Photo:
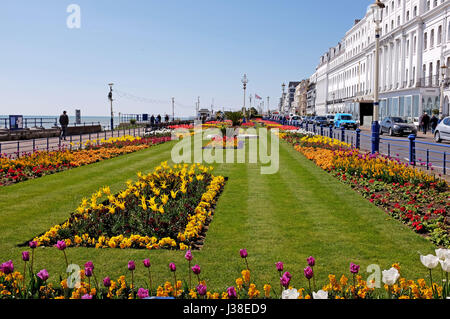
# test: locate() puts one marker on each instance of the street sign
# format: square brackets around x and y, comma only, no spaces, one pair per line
[15,122]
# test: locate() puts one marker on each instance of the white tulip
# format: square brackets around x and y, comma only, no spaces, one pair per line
[290,294]
[445,264]
[390,276]
[429,261]
[443,253]
[321,294]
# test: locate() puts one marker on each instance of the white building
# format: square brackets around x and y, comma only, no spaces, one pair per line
[414,44]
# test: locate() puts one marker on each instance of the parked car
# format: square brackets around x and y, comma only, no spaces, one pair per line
[320,120]
[344,120]
[442,131]
[330,120]
[397,126]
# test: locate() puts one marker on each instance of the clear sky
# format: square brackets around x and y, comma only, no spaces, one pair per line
[157,49]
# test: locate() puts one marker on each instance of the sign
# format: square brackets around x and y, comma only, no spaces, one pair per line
[77,116]
[144,117]
[15,122]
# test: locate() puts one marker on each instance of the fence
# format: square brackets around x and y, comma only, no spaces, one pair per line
[430,156]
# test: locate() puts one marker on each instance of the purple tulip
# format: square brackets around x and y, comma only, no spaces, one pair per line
[231,292]
[172,267]
[7,267]
[279,266]
[43,274]
[131,265]
[61,245]
[354,269]
[243,253]
[88,272]
[188,256]
[86,296]
[311,261]
[285,280]
[32,244]
[25,256]
[147,263]
[89,264]
[142,293]
[107,282]
[201,289]
[196,269]
[309,273]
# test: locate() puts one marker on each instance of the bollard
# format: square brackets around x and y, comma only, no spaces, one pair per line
[412,149]
[314,128]
[321,129]
[343,134]
[375,137]
[358,138]
[331,132]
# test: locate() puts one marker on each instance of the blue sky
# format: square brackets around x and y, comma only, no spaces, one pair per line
[160,48]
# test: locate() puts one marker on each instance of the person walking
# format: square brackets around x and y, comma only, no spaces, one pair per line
[152,120]
[433,123]
[166,118]
[425,123]
[64,122]
[158,119]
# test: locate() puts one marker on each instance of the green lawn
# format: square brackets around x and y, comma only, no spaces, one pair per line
[298,212]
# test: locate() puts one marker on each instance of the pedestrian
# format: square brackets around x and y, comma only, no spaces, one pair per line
[64,122]
[425,122]
[158,119]
[433,123]
[152,120]
[167,118]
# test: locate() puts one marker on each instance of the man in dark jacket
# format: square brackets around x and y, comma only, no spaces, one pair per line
[64,122]
[434,123]
[425,122]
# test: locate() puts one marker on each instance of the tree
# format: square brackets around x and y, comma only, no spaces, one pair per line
[234,117]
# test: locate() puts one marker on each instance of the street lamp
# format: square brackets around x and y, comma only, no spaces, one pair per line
[377,14]
[283,87]
[110,97]
[244,82]
[443,73]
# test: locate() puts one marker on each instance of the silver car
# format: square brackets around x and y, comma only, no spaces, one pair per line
[442,131]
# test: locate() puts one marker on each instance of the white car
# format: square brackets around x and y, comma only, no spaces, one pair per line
[442,131]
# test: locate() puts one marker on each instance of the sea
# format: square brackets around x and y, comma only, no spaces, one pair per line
[49,121]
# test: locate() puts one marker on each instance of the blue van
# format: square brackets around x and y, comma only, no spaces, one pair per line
[345,120]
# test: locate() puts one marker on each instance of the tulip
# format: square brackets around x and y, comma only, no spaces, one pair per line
[131,265]
[308,271]
[290,294]
[86,296]
[443,253]
[390,276]
[243,253]
[88,272]
[7,267]
[25,256]
[321,294]
[445,264]
[188,256]
[61,245]
[89,264]
[196,270]
[32,244]
[43,274]
[354,269]
[231,291]
[279,266]
[201,290]
[311,261]
[146,263]
[429,261]
[107,282]
[173,269]
[142,293]
[285,280]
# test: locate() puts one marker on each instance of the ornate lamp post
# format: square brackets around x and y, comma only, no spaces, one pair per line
[283,96]
[443,74]
[377,19]
[245,82]
[110,97]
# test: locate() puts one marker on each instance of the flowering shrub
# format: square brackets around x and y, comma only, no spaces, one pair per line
[167,208]
[40,163]
[13,284]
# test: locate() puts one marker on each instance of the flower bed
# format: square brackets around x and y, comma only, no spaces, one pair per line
[13,284]
[225,142]
[41,163]
[407,193]
[167,208]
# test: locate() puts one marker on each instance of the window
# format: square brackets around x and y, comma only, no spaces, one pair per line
[425,41]
[432,39]
[439,35]
[415,11]
[407,15]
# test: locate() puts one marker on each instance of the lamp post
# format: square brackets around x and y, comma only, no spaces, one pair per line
[443,73]
[245,82]
[110,97]
[283,87]
[377,18]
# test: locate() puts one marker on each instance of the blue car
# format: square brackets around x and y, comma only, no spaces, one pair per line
[345,120]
